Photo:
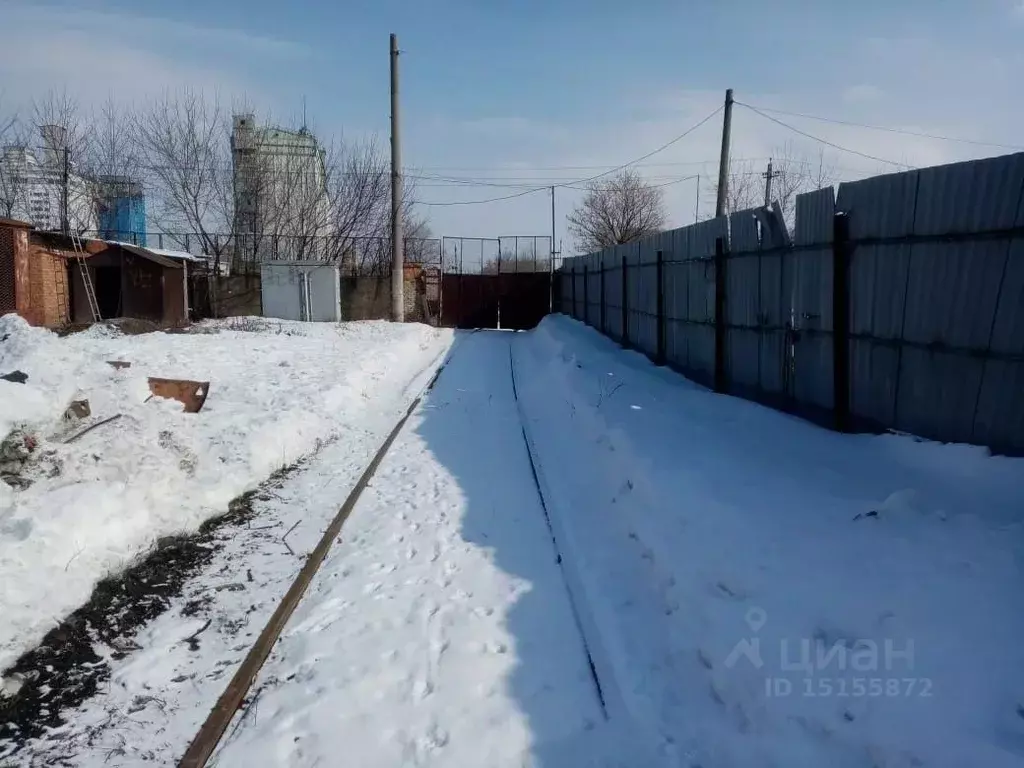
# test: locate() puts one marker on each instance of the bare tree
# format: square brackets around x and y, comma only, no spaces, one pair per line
[112,150]
[60,110]
[184,150]
[620,210]
[795,174]
[14,172]
[7,123]
[112,161]
[522,257]
[745,190]
[792,175]
[421,246]
[276,192]
[62,159]
[305,201]
[822,172]
[360,194]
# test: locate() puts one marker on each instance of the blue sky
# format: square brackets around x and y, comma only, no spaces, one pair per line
[510,92]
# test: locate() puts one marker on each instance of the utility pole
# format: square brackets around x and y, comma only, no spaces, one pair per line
[696,202]
[723,163]
[768,176]
[551,256]
[65,213]
[552,226]
[397,256]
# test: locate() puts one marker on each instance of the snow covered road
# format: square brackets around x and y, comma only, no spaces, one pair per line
[439,631]
[727,586]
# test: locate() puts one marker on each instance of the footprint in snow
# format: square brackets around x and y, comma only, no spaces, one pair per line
[422,688]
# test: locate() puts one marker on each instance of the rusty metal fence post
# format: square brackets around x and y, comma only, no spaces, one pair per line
[721,385]
[841,322]
[572,287]
[604,328]
[660,319]
[625,303]
[586,296]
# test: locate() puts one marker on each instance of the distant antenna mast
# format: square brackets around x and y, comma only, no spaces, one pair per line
[303,113]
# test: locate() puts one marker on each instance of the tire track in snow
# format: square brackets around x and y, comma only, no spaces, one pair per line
[598,690]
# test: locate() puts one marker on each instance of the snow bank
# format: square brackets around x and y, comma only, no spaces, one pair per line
[275,391]
[772,593]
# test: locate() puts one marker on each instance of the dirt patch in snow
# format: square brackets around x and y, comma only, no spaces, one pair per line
[126,326]
[64,669]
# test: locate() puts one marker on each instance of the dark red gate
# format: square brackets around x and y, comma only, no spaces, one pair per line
[497,282]
[516,301]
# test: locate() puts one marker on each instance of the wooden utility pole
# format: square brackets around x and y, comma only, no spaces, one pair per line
[397,255]
[551,256]
[723,163]
[768,176]
[552,224]
[696,201]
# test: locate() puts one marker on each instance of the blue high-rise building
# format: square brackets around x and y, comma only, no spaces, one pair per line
[122,210]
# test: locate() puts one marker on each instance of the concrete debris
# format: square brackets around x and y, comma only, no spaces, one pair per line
[79,409]
[17,447]
[15,451]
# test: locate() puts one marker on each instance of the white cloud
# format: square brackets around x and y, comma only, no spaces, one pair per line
[861,93]
[94,54]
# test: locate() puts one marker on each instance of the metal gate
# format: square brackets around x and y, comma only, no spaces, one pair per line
[500,282]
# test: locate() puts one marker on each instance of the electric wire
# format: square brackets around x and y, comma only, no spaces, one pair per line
[887,129]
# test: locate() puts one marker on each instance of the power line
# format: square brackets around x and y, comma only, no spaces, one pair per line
[490,200]
[469,182]
[649,186]
[887,129]
[525,181]
[548,187]
[560,167]
[825,141]
[663,147]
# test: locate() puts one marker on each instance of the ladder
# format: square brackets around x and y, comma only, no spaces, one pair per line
[90,291]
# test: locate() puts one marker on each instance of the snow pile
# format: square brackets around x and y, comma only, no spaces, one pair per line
[771,593]
[276,390]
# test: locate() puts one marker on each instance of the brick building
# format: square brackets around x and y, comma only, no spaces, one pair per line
[41,280]
[34,277]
